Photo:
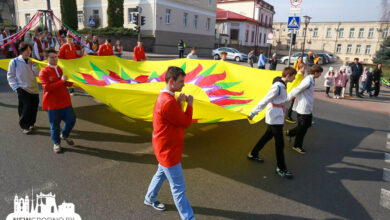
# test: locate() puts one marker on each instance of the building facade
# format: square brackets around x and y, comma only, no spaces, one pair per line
[244,23]
[166,20]
[346,40]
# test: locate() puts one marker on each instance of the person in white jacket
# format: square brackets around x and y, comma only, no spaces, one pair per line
[21,77]
[329,81]
[274,118]
[303,106]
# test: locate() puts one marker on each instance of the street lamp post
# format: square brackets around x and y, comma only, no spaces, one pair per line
[307,21]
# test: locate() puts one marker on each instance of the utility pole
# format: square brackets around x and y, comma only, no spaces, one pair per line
[307,21]
[50,17]
[139,9]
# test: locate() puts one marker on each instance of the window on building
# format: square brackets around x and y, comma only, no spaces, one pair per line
[371,33]
[261,18]
[303,32]
[264,38]
[385,32]
[338,48]
[253,37]
[80,16]
[185,19]
[351,32]
[315,32]
[208,24]
[368,50]
[266,20]
[349,48]
[196,21]
[358,48]
[95,13]
[328,32]
[341,32]
[260,38]
[361,32]
[246,35]
[28,17]
[210,1]
[297,32]
[168,16]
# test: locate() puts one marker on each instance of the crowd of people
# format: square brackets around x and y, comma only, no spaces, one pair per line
[369,78]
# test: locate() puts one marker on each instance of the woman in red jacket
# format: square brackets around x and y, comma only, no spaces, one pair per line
[56,100]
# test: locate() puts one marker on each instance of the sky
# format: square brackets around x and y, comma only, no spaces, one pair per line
[332,10]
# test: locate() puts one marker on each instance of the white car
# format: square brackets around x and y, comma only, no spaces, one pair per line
[294,57]
[232,54]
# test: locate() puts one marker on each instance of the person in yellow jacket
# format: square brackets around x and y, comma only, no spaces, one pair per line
[296,63]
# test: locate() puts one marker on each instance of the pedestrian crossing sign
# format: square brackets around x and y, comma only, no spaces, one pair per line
[293,22]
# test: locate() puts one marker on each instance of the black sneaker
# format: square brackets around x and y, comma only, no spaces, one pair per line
[156,205]
[257,159]
[299,150]
[290,120]
[284,173]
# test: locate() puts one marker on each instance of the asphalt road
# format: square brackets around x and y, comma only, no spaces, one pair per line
[107,173]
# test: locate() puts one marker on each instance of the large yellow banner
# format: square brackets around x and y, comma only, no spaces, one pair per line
[222,91]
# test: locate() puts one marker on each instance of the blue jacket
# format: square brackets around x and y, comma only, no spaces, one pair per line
[262,60]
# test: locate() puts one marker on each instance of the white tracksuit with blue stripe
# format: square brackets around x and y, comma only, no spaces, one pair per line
[277,95]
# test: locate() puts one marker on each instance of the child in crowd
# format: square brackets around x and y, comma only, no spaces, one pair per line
[329,80]
[340,80]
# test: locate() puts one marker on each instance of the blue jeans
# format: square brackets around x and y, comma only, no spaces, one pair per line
[55,118]
[363,86]
[178,188]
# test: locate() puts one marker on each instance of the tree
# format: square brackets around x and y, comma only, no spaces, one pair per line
[115,13]
[383,54]
[69,13]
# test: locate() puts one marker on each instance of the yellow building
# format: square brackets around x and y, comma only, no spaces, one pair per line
[346,40]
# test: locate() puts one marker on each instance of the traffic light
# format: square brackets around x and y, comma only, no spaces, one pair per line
[294,37]
[138,29]
[142,20]
[135,19]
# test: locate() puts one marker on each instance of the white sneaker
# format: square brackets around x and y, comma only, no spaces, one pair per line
[27,131]
[57,148]
[68,140]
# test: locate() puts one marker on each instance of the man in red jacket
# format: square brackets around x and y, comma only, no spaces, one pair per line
[106,49]
[68,50]
[169,123]
[56,100]
[139,52]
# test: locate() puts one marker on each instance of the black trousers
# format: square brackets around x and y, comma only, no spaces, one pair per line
[354,84]
[299,131]
[327,89]
[275,131]
[289,112]
[27,109]
[181,53]
[377,87]
[338,90]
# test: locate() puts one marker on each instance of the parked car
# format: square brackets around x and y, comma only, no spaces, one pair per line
[232,54]
[294,57]
[324,58]
[332,57]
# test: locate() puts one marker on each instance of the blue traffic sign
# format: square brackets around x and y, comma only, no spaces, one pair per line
[91,21]
[293,22]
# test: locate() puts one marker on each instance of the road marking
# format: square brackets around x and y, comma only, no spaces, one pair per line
[387,157]
[385,198]
[50,185]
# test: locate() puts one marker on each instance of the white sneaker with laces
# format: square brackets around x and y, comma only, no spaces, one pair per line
[57,148]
